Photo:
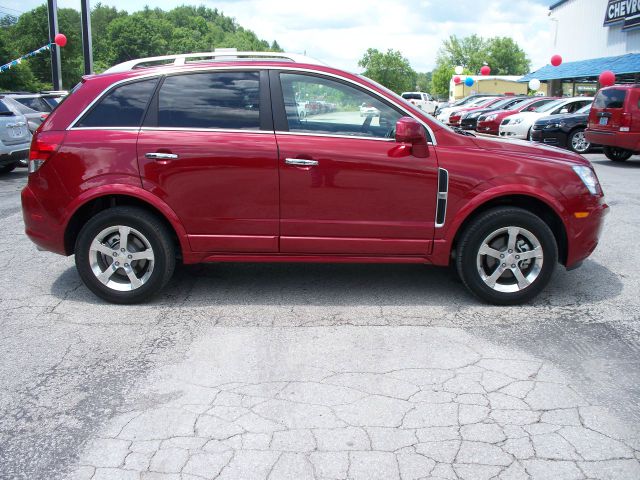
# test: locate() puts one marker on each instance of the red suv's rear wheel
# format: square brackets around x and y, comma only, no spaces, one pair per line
[124,255]
[506,255]
[617,154]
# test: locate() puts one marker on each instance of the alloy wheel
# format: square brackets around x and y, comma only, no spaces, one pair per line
[510,259]
[121,258]
[579,142]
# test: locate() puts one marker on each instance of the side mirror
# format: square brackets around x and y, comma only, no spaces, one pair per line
[409,130]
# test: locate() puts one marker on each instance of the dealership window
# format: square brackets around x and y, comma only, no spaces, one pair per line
[228,100]
[320,105]
[122,107]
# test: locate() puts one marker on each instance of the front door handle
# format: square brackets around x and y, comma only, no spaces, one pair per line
[301,162]
[161,156]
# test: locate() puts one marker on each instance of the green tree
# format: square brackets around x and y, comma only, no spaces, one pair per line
[506,58]
[390,69]
[423,81]
[502,54]
[441,79]
[116,37]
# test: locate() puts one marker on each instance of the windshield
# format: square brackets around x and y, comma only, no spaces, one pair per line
[550,106]
[411,96]
[504,102]
[18,106]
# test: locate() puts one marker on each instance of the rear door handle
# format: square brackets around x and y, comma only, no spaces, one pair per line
[161,156]
[301,162]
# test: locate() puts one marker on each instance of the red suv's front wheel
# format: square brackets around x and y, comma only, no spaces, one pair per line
[507,255]
[124,254]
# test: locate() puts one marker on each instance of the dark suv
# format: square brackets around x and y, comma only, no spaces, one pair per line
[614,121]
[212,161]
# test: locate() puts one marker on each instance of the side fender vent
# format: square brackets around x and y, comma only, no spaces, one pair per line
[443,191]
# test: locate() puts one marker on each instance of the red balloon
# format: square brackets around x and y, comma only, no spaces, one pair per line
[456,79]
[607,78]
[556,60]
[485,70]
[60,39]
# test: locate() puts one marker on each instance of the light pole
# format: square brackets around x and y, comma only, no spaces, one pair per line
[87,50]
[56,70]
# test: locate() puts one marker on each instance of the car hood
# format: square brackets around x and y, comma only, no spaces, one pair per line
[565,116]
[535,151]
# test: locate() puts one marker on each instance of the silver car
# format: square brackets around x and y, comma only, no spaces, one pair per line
[14,138]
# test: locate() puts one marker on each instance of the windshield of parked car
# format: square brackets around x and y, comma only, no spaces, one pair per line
[550,106]
[503,103]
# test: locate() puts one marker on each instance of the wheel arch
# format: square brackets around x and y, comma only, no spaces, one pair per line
[530,203]
[99,201]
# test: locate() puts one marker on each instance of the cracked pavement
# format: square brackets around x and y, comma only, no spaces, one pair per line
[322,371]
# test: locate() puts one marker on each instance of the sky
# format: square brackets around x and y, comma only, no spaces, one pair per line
[338,32]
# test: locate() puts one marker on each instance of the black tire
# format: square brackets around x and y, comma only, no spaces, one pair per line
[529,135]
[570,142]
[480,228]
[8,168]
[156,234]
[617,154]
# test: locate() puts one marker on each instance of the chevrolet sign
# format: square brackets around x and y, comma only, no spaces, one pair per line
[626,12]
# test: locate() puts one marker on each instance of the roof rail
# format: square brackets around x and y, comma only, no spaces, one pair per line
[217,55]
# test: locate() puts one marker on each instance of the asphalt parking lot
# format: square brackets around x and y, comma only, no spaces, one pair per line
[322,371]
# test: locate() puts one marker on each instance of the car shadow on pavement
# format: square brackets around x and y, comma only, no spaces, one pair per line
[631,163]
[296,284]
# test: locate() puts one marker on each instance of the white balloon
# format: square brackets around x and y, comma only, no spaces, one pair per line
[534,84]
[459,70]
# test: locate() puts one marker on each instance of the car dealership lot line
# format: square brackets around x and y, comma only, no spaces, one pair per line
[322,370]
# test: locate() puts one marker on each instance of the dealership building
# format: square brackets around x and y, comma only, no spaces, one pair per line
[591,36]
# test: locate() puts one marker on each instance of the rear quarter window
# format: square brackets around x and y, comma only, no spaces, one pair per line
[613,98]
[4,110]
[123,106]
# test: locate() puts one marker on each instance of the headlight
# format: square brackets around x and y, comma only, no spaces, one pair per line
[554,125]
[491,118]
[588,177]
[517,120]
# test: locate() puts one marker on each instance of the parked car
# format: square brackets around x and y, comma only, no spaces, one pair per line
[566,131]
[614,121]
[443,114]
[368,110]
[469,120]
[34,118]
[462,101]
[422,100]
[456,115]
[130,178]
[490,122]
[14,137]
[446,113]
[53,97]
[520,124]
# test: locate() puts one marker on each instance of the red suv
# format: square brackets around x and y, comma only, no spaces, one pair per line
[614,121]
[211,161]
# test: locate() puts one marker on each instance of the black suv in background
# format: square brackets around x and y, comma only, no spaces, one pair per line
[566,131]
[469,120]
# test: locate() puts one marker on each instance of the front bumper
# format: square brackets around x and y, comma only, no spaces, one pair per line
[492,128]
[555,137]
[516,130]
[583,234]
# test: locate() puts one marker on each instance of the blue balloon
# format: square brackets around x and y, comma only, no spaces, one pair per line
[468,81]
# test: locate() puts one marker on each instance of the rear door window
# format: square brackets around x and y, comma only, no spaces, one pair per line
[612,98]
[218,100]
[122,107]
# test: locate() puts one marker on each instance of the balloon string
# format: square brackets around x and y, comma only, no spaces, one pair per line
[13,63]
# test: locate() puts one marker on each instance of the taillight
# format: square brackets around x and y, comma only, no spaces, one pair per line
[43,146]
[625,122]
